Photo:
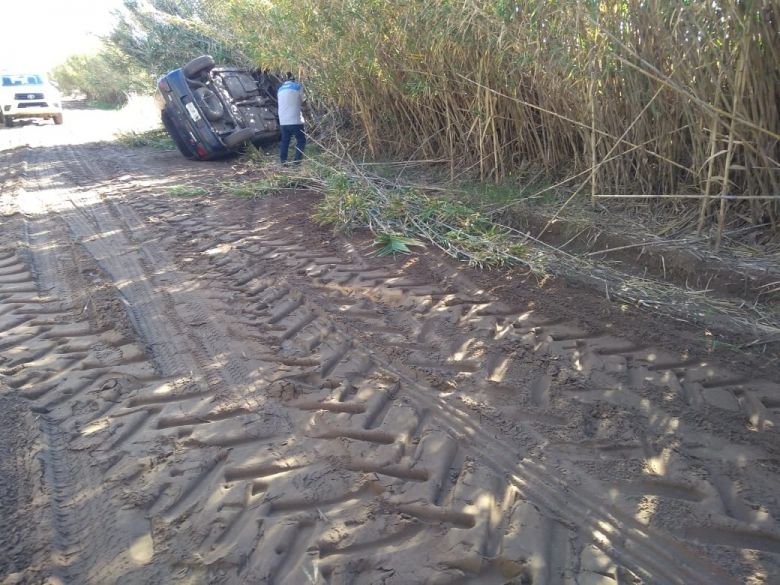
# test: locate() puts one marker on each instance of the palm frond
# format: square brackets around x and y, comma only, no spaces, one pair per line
[395,244]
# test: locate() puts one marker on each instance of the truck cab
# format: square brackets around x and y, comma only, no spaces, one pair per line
[28,95]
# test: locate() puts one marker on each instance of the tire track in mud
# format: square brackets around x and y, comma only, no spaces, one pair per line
[206,475]
[598,358]
[299,304]
[594,345]
[65,382]
[26,532]
[317,431]
[60,356]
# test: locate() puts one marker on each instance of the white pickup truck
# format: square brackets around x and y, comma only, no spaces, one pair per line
[28,95]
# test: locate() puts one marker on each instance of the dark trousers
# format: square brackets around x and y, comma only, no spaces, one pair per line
[300,141]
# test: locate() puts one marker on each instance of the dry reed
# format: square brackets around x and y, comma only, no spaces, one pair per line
[636,96]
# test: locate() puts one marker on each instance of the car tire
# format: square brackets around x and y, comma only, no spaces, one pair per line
[58,119]
[238,138]
[9,122]
[209,103]
[198,65]
[181,145]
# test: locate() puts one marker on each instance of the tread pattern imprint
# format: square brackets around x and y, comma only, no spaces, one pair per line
[222,403]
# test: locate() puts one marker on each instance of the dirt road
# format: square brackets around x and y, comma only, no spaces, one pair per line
[215,390]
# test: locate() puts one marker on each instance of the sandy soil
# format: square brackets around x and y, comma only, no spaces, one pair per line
[216,390]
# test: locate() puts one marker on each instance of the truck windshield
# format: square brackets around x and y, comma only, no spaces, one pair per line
[10,80]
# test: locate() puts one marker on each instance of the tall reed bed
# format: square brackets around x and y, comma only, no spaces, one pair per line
[631,97]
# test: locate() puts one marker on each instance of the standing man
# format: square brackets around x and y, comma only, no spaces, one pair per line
[290,100]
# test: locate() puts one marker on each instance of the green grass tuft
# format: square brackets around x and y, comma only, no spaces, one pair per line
[157,138]
[187,191]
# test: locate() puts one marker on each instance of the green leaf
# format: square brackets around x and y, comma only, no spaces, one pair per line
[395,244]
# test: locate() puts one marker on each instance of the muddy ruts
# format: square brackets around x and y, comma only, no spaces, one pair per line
[605,362]
[224,403]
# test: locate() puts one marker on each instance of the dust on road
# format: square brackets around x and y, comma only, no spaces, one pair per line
[212,390]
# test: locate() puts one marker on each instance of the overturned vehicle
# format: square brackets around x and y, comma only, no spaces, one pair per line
[211,111]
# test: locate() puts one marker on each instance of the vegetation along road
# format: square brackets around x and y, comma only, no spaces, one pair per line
[214,389]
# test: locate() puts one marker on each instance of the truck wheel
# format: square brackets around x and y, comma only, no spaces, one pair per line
[58,119]
[198,66]
[181,145]
[210,104]
[239,137]
[9,122]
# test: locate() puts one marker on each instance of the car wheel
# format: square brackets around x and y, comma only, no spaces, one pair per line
[9,122]
[198,66]
[181,145]
[210,104]
[58,119]
[239,137]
